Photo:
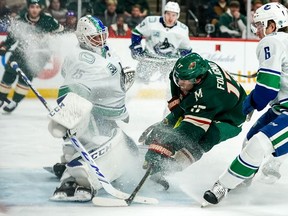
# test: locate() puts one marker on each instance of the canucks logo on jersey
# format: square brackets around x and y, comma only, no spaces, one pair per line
[165,49]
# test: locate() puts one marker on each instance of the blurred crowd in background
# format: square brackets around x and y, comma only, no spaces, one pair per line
[214,18]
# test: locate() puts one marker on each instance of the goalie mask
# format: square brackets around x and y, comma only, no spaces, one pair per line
[92,34]
[271,11]
[190,67]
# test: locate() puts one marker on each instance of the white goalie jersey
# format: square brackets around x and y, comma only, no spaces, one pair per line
[97,79]
[163,41]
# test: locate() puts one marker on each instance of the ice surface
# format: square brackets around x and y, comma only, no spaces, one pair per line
[26,146]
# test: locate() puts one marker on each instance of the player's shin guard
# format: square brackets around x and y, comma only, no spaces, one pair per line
[248,162]
[242,168]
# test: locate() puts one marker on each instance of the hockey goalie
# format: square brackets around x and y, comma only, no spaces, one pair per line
[91,101]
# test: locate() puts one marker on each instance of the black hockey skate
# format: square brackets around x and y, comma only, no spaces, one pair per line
[72,192]
[10,107]
[216,194]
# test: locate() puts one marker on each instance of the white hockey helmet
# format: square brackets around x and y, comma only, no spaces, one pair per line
[272,11]
[173,7]
[91,33]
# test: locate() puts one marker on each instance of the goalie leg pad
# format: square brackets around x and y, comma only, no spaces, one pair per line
[68,153]
[80,172]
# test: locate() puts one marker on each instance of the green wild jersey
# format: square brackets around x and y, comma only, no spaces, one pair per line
[218,98]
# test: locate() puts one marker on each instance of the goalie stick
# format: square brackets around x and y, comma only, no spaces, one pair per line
[85,155]
[107,202]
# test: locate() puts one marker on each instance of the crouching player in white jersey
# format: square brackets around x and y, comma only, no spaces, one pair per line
[269,135]
[166,39]
[93,73]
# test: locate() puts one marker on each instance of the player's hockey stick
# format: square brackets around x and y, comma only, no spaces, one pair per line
[108,202]
[85,155]
[245,76]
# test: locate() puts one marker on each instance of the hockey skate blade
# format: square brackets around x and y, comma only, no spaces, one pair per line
[204,204]
[49,169]
[109,202]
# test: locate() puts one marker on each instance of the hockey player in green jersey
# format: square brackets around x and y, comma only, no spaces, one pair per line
[206,109]
[30,31]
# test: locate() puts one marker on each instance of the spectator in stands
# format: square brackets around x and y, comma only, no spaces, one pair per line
[71,21]
[110,14]
[4,16]
[99,6]
[72,5]
[218,8]
[128,4]
[135,17]
[57,11]
[232,24]
[120,28]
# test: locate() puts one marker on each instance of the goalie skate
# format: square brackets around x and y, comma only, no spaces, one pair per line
[72,192]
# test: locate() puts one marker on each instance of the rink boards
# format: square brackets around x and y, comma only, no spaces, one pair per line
[236,56]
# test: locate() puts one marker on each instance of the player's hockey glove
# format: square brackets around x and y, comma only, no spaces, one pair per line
[248,104]
[159,156]
[173,103]
[137,51]
[3,49]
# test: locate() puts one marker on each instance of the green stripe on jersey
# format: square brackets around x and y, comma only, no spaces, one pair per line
[136,32]
[269,80]
[279,139]
[280,107]
[63,90]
